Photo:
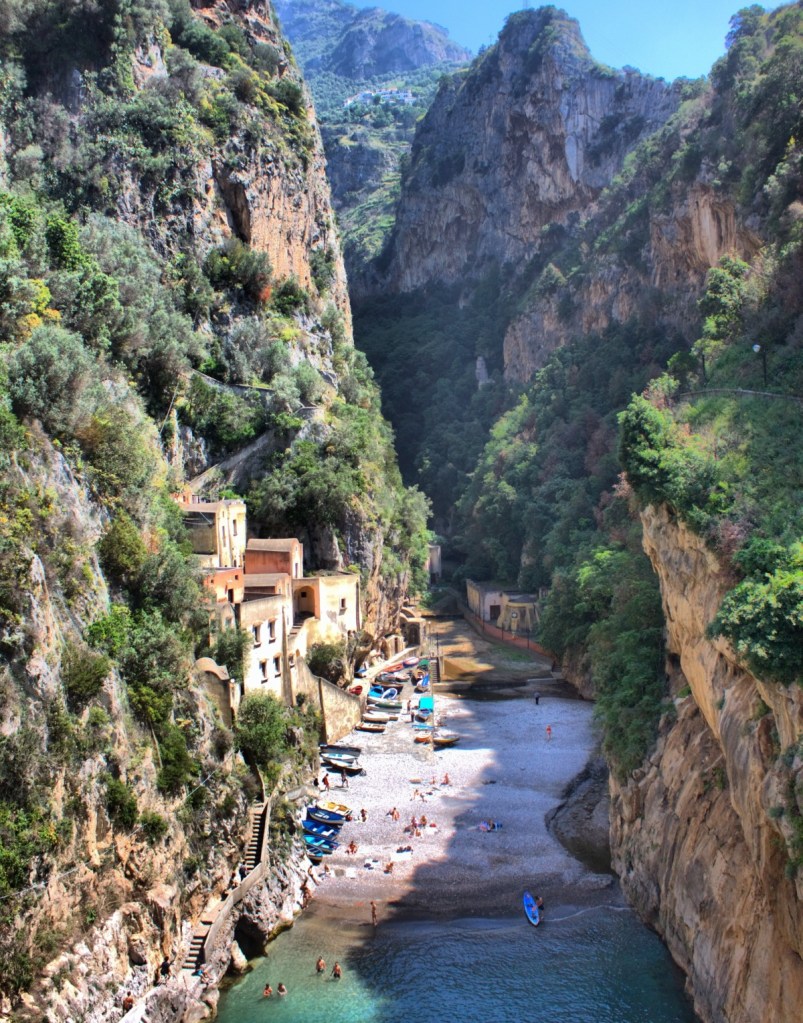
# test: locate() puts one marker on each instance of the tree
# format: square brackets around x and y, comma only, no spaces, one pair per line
[260,728]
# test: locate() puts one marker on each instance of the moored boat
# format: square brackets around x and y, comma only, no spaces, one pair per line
[410,662]
[376,715]
[335,820]
[333,807]
[319,828]
[385,704]
[440,740]
[320,844]
[333,747]
[339,764]
[370,726]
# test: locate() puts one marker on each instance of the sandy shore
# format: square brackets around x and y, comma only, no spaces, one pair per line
[504,768]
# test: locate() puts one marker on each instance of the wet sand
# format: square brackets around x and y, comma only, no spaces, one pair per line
[504,768]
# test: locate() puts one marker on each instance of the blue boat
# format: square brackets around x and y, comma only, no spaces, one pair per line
[326,816]
[383,692]
[320,845]
[327,831]
[531,909]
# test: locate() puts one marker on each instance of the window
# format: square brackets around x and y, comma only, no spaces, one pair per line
[257,631]
[272,630]
[234,527]
[277,666]
[263,668]
[342,605]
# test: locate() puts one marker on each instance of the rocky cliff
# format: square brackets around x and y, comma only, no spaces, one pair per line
[702,835]
[530,134]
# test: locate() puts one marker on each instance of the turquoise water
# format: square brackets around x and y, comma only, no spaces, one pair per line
[599,966]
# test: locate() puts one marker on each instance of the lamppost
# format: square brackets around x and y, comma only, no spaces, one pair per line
[762,351]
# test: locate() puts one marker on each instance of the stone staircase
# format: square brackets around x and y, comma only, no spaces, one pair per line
[196,955]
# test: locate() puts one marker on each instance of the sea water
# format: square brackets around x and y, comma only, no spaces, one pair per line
[598,965]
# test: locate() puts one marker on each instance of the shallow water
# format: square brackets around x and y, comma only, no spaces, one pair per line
[596,965]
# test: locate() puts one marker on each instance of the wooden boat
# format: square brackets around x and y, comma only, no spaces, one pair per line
[385,704]
[370,726]
[410,662]
[331,747]
[332,755]
[338,808]
[355,690]
[531,910]
[375,715]
[377,693]
[328,831]
[335,820]
[440,740]
[320,844]
[338,765]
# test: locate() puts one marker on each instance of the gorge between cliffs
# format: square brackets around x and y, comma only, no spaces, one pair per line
[532,358]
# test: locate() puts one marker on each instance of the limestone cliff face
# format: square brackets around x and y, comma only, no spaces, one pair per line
[253,187]
[700,835]
[531,133]
[660,287]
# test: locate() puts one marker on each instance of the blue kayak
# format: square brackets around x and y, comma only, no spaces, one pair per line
[531,910]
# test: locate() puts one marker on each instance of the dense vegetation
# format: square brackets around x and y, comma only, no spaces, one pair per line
[119,328]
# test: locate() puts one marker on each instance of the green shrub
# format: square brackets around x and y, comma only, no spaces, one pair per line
[122,550]
[327,660]
[236,265]
[153,825]
[230,649]
[290,297]
[763,617]
[47,377]
[178,767]
[83,673]
[121,803]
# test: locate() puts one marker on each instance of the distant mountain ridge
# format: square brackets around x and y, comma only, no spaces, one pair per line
[332,36]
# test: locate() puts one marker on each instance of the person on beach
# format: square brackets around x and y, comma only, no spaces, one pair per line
[337,973]
[537,698]
[128,1002]
[267,991]
[373,913]
[389,867]
[281,990]
[549,733]
[344,779]
[394,814]
[413,822]
[423,820]
[351,848]
[320,965]
[363,815]
[326,782]
[446,780]
[415,795]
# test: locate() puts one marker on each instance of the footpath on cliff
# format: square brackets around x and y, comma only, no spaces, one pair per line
[506,768]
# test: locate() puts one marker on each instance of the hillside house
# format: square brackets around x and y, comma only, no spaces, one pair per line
[267,556]
[216,530]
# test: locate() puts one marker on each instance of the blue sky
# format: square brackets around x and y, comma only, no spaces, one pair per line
[670,39]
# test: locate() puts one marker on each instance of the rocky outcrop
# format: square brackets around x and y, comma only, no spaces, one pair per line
[531,133]
[702,835]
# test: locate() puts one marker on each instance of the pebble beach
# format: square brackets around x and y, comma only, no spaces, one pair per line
[504,769]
